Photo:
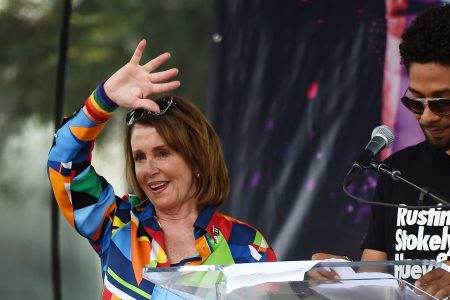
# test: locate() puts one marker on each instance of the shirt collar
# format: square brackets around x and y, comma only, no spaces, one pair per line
[204,217]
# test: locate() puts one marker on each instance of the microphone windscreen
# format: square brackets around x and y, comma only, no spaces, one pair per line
[385,132]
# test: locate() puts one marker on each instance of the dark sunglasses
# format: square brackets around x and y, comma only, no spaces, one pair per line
[135,115]
[439,106]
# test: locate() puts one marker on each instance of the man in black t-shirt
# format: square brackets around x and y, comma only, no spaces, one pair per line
[402,233]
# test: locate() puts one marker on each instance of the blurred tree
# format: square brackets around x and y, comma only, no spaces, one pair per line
[103,35]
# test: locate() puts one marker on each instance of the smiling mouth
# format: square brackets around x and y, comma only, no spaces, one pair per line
[435,131]
[158,186]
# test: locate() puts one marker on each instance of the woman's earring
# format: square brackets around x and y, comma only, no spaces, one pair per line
[197,175]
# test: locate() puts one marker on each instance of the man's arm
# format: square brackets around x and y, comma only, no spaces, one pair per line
[372,255]
[367,255]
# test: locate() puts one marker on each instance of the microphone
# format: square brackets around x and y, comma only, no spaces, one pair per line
[382,137]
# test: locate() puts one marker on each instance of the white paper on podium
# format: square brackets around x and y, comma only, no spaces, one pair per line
[251,274]
[363,285]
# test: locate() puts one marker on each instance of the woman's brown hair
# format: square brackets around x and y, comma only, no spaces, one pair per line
[186,130]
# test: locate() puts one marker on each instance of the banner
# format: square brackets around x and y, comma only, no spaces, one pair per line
[297,88]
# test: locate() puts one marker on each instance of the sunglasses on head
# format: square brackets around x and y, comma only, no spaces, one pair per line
[439,106]
[135,115]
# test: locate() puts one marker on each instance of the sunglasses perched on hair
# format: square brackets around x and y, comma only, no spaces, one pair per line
[439,106]
[135,115]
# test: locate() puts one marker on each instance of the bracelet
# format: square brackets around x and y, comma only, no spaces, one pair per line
[347,258]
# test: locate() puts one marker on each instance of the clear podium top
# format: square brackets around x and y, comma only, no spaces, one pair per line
[291,280]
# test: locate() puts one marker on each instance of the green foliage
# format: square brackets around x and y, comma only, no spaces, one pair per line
[103,35]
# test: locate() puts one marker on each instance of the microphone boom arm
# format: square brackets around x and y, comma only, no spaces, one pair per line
[425,193]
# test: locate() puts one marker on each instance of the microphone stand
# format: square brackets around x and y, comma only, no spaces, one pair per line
[396,175]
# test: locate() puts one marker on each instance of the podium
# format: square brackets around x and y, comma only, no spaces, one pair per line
[290,280]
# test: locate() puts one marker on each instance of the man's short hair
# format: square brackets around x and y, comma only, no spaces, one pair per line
[428,38]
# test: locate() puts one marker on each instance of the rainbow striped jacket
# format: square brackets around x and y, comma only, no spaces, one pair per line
[126,236]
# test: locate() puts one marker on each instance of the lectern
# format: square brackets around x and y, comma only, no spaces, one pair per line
[291,280]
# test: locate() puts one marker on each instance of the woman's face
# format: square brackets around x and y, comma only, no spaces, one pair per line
[163,174]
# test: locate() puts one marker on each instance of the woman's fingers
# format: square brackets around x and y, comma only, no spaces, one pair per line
[137,55]
[163,76]
[156,62]
[165,87]
[146,104]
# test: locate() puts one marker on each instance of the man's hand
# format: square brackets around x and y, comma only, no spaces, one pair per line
[436,282]
[322,274]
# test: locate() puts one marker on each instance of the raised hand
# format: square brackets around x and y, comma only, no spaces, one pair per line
[131,85]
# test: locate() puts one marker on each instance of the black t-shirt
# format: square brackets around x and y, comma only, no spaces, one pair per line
[412,234]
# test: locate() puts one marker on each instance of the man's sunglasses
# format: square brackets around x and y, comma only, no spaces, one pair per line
[439,106]
[135,115]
